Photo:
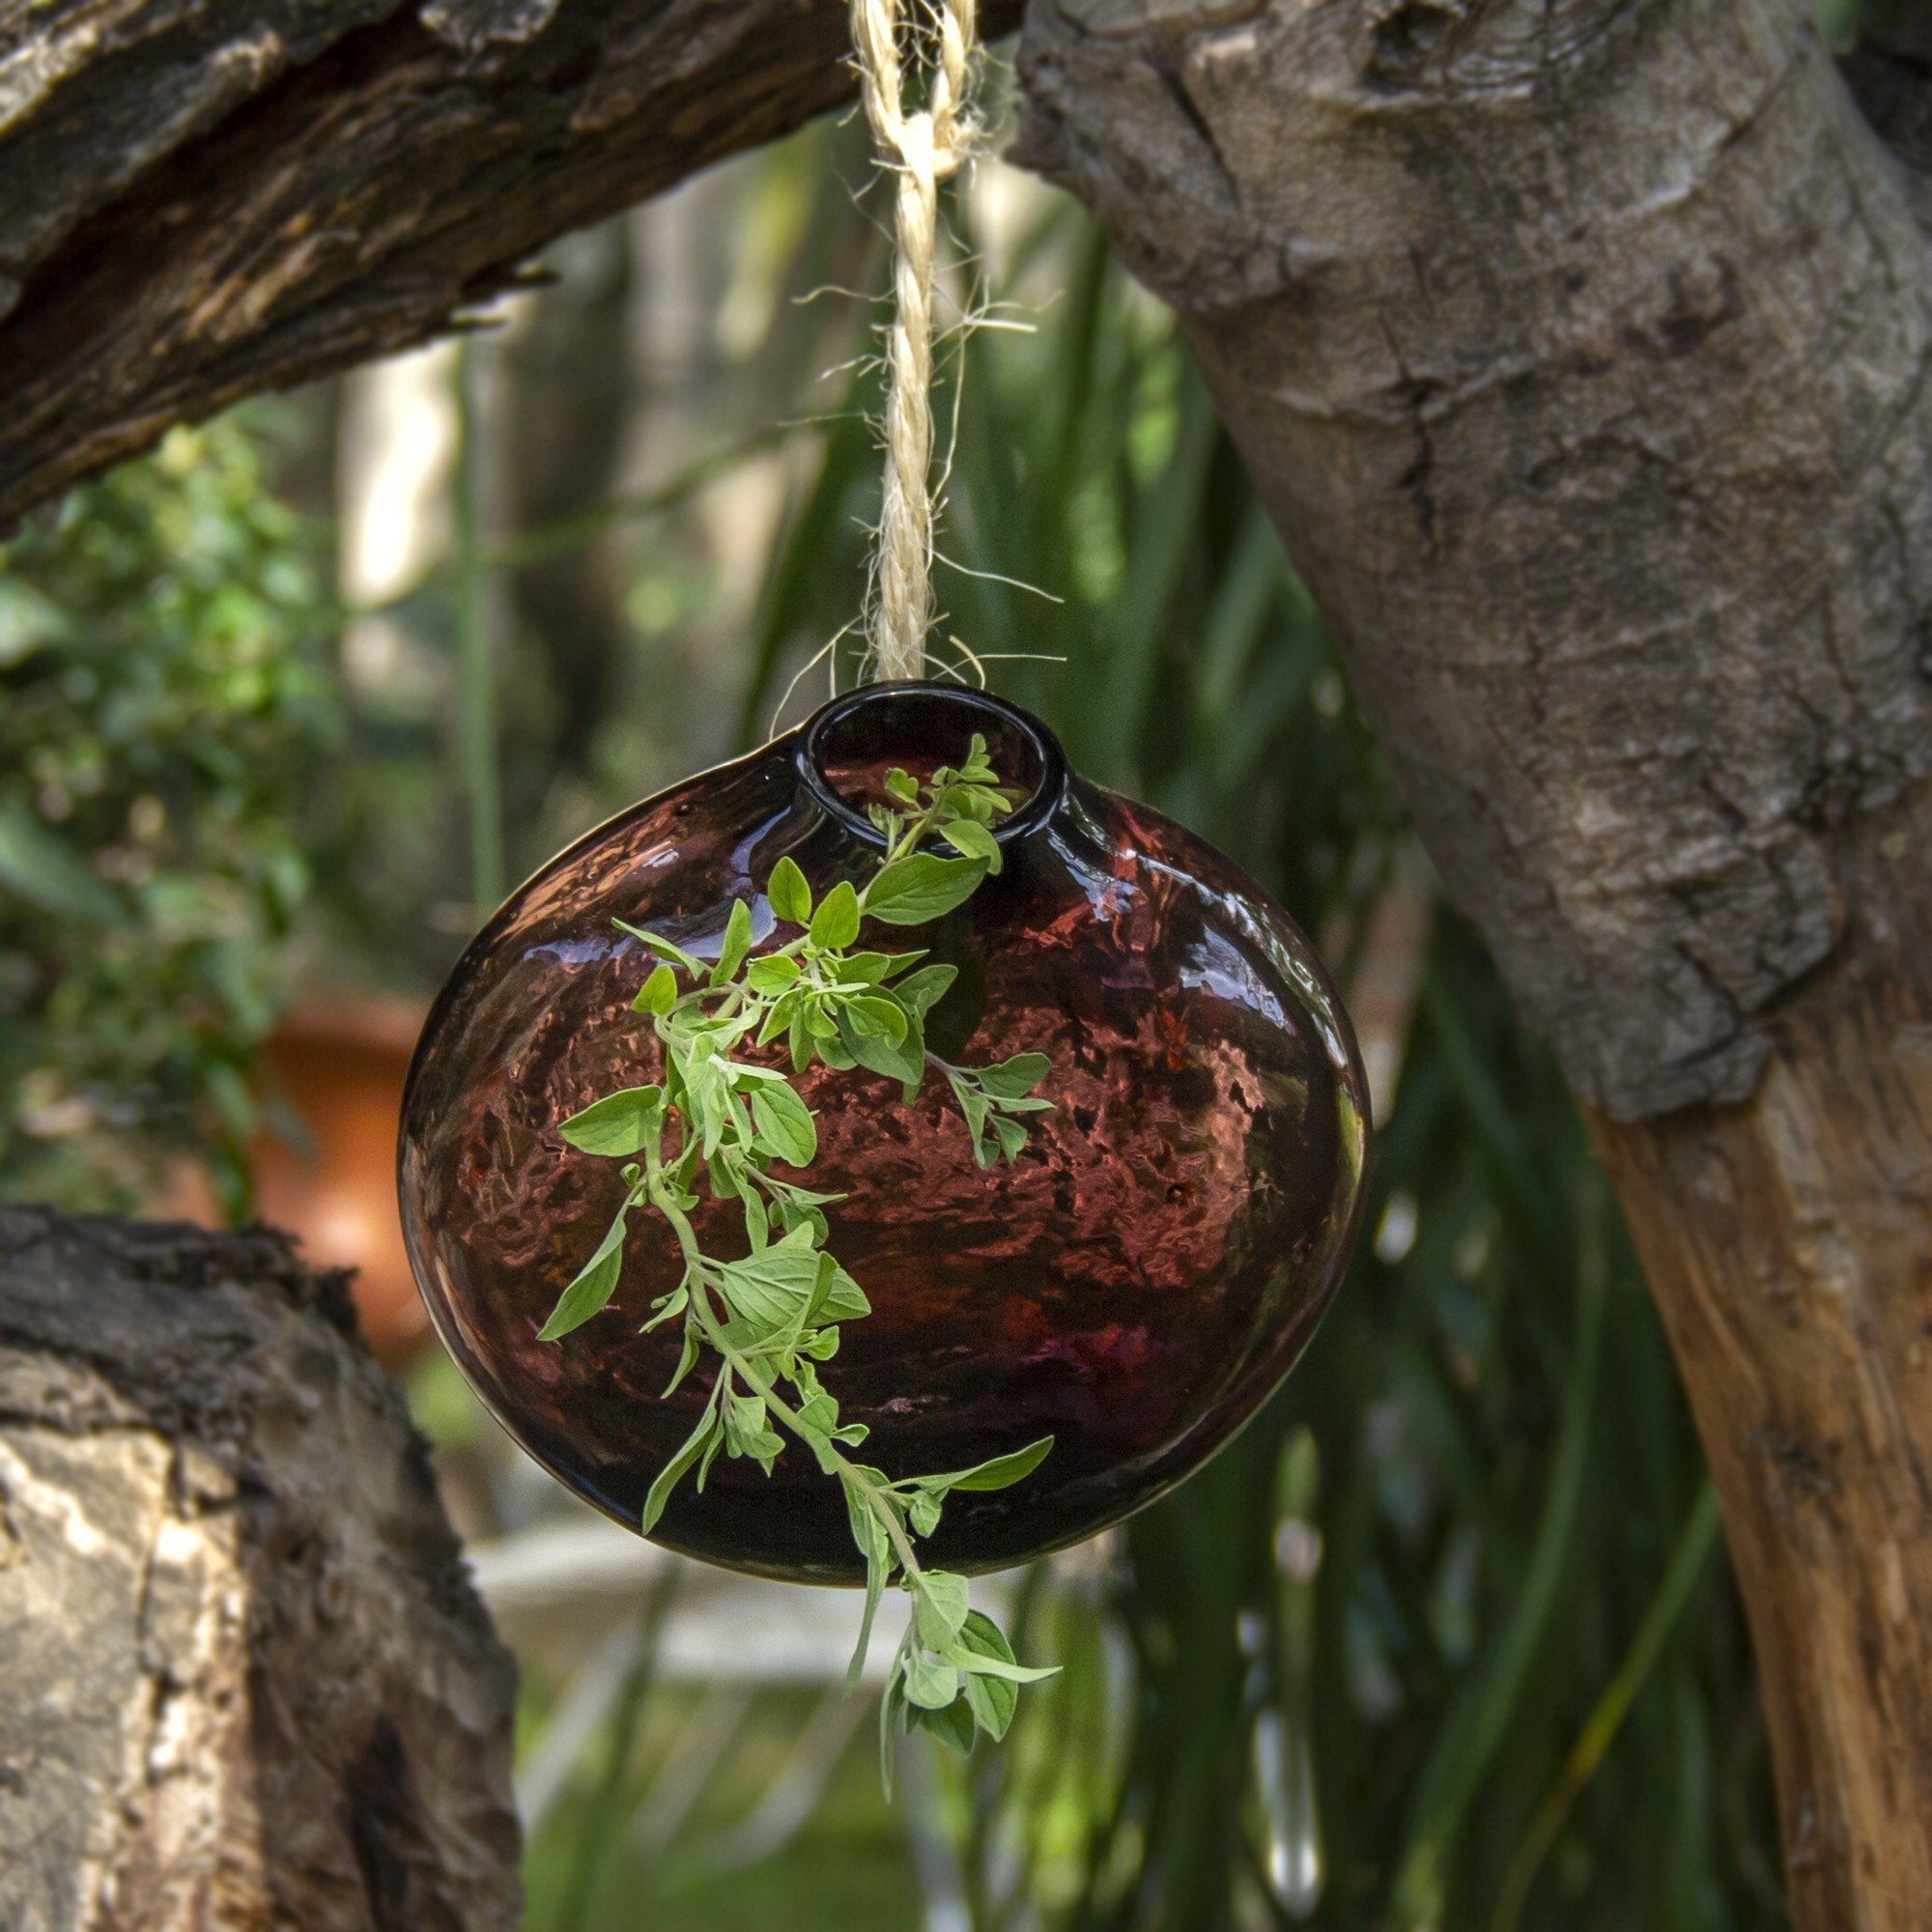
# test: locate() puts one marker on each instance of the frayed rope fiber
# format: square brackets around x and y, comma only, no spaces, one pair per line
[921,149]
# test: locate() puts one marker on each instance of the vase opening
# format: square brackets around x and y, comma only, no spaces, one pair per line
[847,748]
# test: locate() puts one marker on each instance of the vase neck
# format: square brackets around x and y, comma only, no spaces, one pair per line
[843,750]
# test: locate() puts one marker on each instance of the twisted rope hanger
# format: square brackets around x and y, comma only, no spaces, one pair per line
[923,148]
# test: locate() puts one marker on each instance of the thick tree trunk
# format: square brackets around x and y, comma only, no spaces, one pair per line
[1580,354]
[1789,1244]
[247,1682]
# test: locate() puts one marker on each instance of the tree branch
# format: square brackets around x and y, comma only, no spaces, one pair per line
[200,202]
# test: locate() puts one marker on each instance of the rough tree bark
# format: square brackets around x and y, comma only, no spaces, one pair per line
[246,1683]
[1579,348]
[1579,352]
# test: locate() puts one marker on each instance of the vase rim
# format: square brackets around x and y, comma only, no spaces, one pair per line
[1049,779]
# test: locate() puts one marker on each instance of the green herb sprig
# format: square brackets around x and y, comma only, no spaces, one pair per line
[767,1319]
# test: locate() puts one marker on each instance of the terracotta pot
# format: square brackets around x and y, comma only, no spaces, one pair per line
[339,1063]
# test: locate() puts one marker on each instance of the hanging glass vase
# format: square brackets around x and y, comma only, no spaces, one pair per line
[1134,1283]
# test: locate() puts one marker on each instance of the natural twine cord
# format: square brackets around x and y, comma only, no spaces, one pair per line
[923,148]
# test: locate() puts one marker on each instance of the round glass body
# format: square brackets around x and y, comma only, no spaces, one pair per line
[1134,1284]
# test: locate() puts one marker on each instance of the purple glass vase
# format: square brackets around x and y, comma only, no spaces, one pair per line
[1134,1285]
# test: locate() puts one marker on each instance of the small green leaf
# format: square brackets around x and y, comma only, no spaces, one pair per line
[925,887]
[983,802]
[835,1297]
[773,1289]
[835,923]
[876,1016]
[929,1686]
[904,1061]
[952,1724]
[695,1444]
[866,968]
[1006,1671]
[870,1534]
[691,963]
[818,1423]
[659,992]
[703,1101]
[892,1713]
[982,1634]
[1001,1472]
[757,1219]
[789,896]
[773,973]
[992,1700]
[710,1455]
[1011,1135]
[793,1191]
[938,1611]
[666,1308]
[592,1287]
[748,1430]
[974,1105]
[922,990]
[868,1531]
[622,1122]
[686,1362]
[836,1052]
[902,785]
[737,942]
[968,836]
[784,1125]
[1013,1079]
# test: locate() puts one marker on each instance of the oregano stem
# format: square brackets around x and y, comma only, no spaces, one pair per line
[766,1318]
[849,1472]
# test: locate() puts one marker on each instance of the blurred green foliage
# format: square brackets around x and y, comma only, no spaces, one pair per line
[163,699]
